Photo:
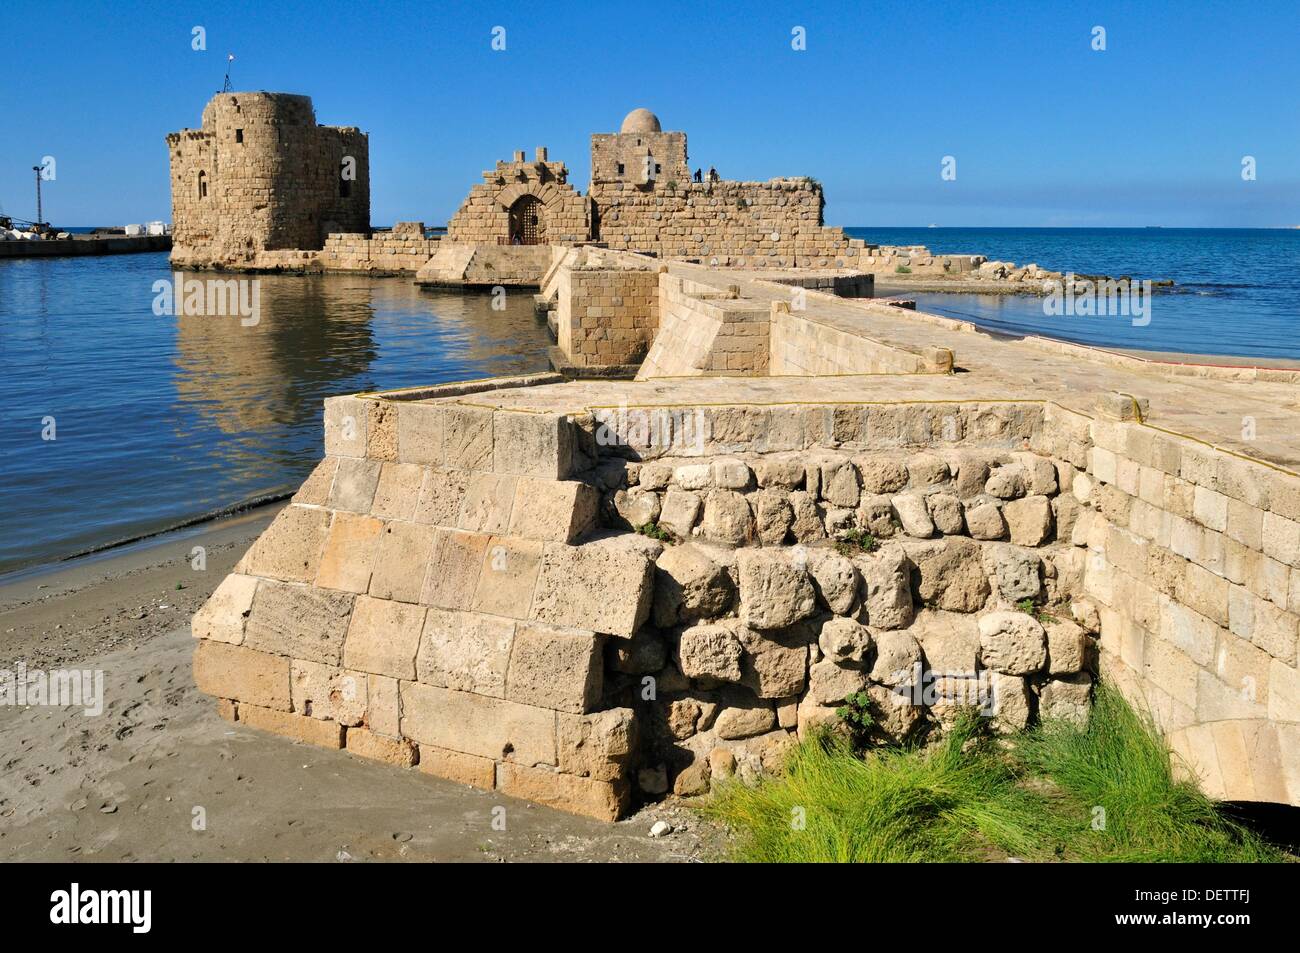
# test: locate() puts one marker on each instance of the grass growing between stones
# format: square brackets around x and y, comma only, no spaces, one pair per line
[969,797]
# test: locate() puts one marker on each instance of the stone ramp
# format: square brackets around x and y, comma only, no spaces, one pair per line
[463,264]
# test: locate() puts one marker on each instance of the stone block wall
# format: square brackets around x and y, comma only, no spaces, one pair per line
[425,600]
[387,252]
[745,224]
[261,175]
[1194,565]
[606,314]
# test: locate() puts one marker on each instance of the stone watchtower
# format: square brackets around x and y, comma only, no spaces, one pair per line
[261,175]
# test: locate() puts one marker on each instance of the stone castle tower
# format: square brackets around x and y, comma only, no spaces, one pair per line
[261,175]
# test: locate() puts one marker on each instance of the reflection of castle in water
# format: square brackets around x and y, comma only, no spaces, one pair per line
[311,336]
[316,336]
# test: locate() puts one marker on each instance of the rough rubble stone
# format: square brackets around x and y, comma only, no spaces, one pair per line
[731,474]
[774,592]
[845,642]
[636,507]
[645,652]
[680,511]
[744,722]
[710,652]
[785,473]
[1011,702]
[1006,482]
[912,513]
[897,659]
[926,469]
[984,520]
[1015,571]
[834,578]
[950,574]
[886,580]
[896,715]
[774,665]
[881,475]
[807,525]
[950,641]
[829,684]
[1012,643]
[773,515]
[839,484]
[727,518]
[689,586]
[876,516]
[1067,698]
[1068,647]
[946,513]
[1029,520]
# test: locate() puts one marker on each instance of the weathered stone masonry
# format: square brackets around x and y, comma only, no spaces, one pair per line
[261,175]
[450,589]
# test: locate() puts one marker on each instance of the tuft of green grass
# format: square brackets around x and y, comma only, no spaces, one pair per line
[949,802]
[902,270]
[1104,791]
[1118,796]
[654,531]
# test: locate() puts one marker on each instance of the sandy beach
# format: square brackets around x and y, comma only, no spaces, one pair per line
[136,782]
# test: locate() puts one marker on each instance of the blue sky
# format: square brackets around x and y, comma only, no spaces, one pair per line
[1045,130]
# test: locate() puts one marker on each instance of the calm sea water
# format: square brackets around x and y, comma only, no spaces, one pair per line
[1238,289]
[161,419]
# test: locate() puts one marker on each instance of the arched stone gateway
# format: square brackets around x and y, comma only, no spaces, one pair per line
[522,202]
[528,221]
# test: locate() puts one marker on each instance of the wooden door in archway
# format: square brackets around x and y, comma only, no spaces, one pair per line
[528,221]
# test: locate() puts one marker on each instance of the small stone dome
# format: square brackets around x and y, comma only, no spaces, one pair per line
[641,120]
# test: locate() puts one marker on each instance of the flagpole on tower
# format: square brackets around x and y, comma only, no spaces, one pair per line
[230,58]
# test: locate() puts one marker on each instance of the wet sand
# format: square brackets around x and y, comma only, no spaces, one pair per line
[131,783]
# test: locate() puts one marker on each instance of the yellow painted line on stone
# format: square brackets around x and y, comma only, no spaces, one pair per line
[1142,421]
